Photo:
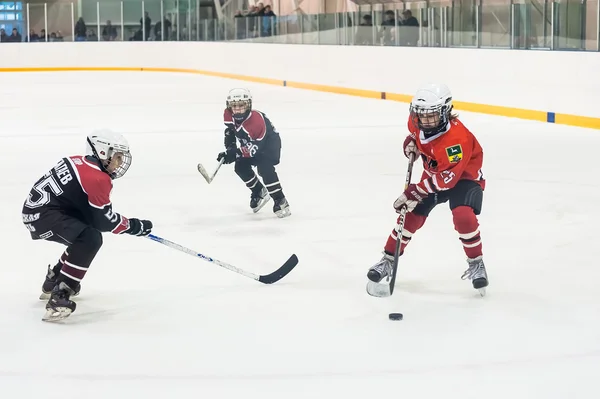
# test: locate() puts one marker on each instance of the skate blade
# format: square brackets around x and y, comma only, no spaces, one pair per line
[283,213]
[481,285]
[60,313]
[378,290]
[262,203]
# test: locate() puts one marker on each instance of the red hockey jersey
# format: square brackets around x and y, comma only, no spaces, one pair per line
[449,156]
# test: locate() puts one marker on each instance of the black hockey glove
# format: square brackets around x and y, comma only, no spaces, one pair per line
[139,227]
[229,140]
[230,155]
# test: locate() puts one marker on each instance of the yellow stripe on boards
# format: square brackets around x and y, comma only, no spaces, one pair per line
[403,98]
[576,120]
[72,69]
[542,116]
[226,75]
[501,111]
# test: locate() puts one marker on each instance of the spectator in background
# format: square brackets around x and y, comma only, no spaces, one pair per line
[42,37]
[364,33]
[80,31]
[109,32]
[158,29]
[146,25]
[15,37]
[258,21]
[409,33]
[268,21]
[268,12]
[3,36]
[387,26]
[33,37]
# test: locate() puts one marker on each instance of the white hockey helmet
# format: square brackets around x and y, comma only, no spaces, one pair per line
[239,102]
[112,150]
[431,107]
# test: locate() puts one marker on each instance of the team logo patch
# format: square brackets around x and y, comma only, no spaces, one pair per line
[454,153]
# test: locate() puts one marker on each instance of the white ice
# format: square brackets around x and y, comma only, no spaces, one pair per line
[152,322]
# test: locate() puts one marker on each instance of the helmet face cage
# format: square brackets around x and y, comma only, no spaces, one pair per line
[117,163]
[239,103]
[240,109]
[430,118]
[115,160]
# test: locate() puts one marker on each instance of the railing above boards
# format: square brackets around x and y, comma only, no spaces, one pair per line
[545,25]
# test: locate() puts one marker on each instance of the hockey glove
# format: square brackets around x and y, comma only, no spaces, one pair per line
[410,145]
[139,227]
[229,155]
[410,198]
[229,140]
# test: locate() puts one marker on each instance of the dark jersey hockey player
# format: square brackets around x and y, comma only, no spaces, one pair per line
[452,162]
[71,205]
[260,146]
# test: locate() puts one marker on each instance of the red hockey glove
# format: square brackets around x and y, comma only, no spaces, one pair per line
[410,145]
[410,198]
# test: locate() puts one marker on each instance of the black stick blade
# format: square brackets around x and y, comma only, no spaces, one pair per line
[280,273]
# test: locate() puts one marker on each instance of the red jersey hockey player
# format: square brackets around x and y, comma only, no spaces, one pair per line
[452,160]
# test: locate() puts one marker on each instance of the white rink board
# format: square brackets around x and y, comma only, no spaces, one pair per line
[549,81]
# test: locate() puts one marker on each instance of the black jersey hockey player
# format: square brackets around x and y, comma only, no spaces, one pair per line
[71,205]
[260,146]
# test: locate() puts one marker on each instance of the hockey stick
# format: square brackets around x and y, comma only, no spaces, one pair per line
[385,290]
[204,173]
[277,275]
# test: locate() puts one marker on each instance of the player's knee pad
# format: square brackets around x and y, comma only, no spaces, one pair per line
[413,222]
[464,219]
[91,239]
[243,167]
[467,193]
[265,169]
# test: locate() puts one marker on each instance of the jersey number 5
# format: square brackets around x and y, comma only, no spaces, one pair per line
[42,187]
[448,176]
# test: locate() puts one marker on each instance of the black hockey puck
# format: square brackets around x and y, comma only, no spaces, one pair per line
[396,316]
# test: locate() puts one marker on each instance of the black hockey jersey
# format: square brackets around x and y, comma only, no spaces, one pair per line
[256,134]
[76,187]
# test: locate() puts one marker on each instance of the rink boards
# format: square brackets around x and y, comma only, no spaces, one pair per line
[547,86]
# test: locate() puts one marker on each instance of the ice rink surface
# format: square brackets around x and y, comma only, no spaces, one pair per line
[152,322]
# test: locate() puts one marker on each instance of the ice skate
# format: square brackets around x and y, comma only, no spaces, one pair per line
[50,282]
[281,207]
[382,269]
[60,305]
[477,274]
[258,200]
